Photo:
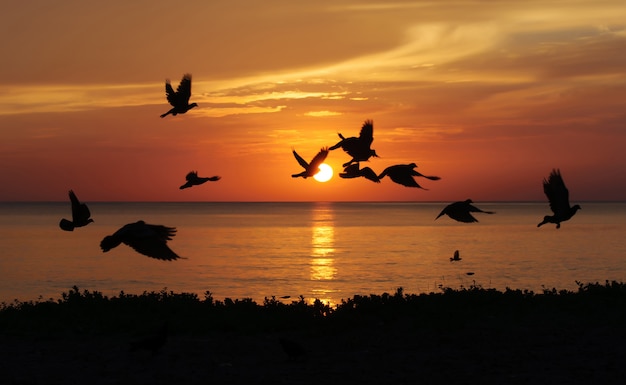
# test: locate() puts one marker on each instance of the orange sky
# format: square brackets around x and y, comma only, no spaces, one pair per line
[490,96]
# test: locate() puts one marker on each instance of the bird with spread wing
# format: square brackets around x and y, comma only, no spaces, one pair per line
[310,169]
[194,180]
[80,215]
[558,196]
[358,148]
[179,99]
[461,211]
[144,238]
[403,174]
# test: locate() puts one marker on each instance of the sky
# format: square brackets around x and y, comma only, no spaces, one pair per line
[488,95]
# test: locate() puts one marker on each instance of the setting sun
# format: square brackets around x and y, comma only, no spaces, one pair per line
[325,173]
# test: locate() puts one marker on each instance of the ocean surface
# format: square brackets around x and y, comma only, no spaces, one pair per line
[326,251]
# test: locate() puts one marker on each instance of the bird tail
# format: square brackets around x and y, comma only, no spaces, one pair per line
[66,225]
[108,243]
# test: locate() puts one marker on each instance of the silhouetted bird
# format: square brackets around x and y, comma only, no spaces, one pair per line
[312,168]
[80,215]
[403,174]
[354,171]
[179,99]
[294,350]
[153,342]
[193,179]
[460,211]
[358,148]
[456,256]
[558,195]
[146,239]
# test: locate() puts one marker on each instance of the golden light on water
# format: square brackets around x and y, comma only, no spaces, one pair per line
[322,251]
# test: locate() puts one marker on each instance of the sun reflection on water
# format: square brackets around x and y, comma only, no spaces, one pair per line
[323,268]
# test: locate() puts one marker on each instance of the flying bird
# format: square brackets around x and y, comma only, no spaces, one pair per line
[179,99]
[193,179]
[354,171]
[460,211]
[358,148]
[312,168]
[80,215]
[558,196]
[456,256]
[403,174]
[146,239]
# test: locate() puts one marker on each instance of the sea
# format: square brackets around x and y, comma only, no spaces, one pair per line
[329,251]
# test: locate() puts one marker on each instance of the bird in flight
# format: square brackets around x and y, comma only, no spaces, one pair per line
[358,148]
[80,215]
[403,174]
[460,211]
[146,239]
[558,196]
[456,256]
[193,179]
[179,99]
[312,168]
[354,171]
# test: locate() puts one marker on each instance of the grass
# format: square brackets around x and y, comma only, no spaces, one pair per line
[89,312]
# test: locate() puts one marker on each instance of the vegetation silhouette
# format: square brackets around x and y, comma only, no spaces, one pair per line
[354,171]
[179,99]
[558,196]
[80,215]
[312,168]
[294,350]
[194,180]
[403,174]
[146,239]
[358,148]
[460,211]
[153,342]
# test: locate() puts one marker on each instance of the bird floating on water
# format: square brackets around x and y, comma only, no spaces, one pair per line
[146,239]
[358,148]
[80,215]
[460,211]
[193,179]
[558,196]
[403,174]
[310,169]
[354,171]
[456,256]
[179,99]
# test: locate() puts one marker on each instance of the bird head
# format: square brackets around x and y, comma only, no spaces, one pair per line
[192,105]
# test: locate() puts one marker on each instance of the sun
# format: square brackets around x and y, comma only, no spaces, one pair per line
[324,174]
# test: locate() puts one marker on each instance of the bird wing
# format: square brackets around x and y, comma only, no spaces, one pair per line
[302,162]
[184,89]
[475,209]
[367,132]
[170,94]
[557,193]
[368,173]
[151,240]
[80,211]
[402,175]
[319,159]
[462,216]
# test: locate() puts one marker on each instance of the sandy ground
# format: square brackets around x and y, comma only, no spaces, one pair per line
[395,353]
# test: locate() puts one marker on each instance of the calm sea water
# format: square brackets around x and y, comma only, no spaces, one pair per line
[329,251]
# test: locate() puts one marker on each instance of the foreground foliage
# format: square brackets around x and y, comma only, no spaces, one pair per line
[89,312]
